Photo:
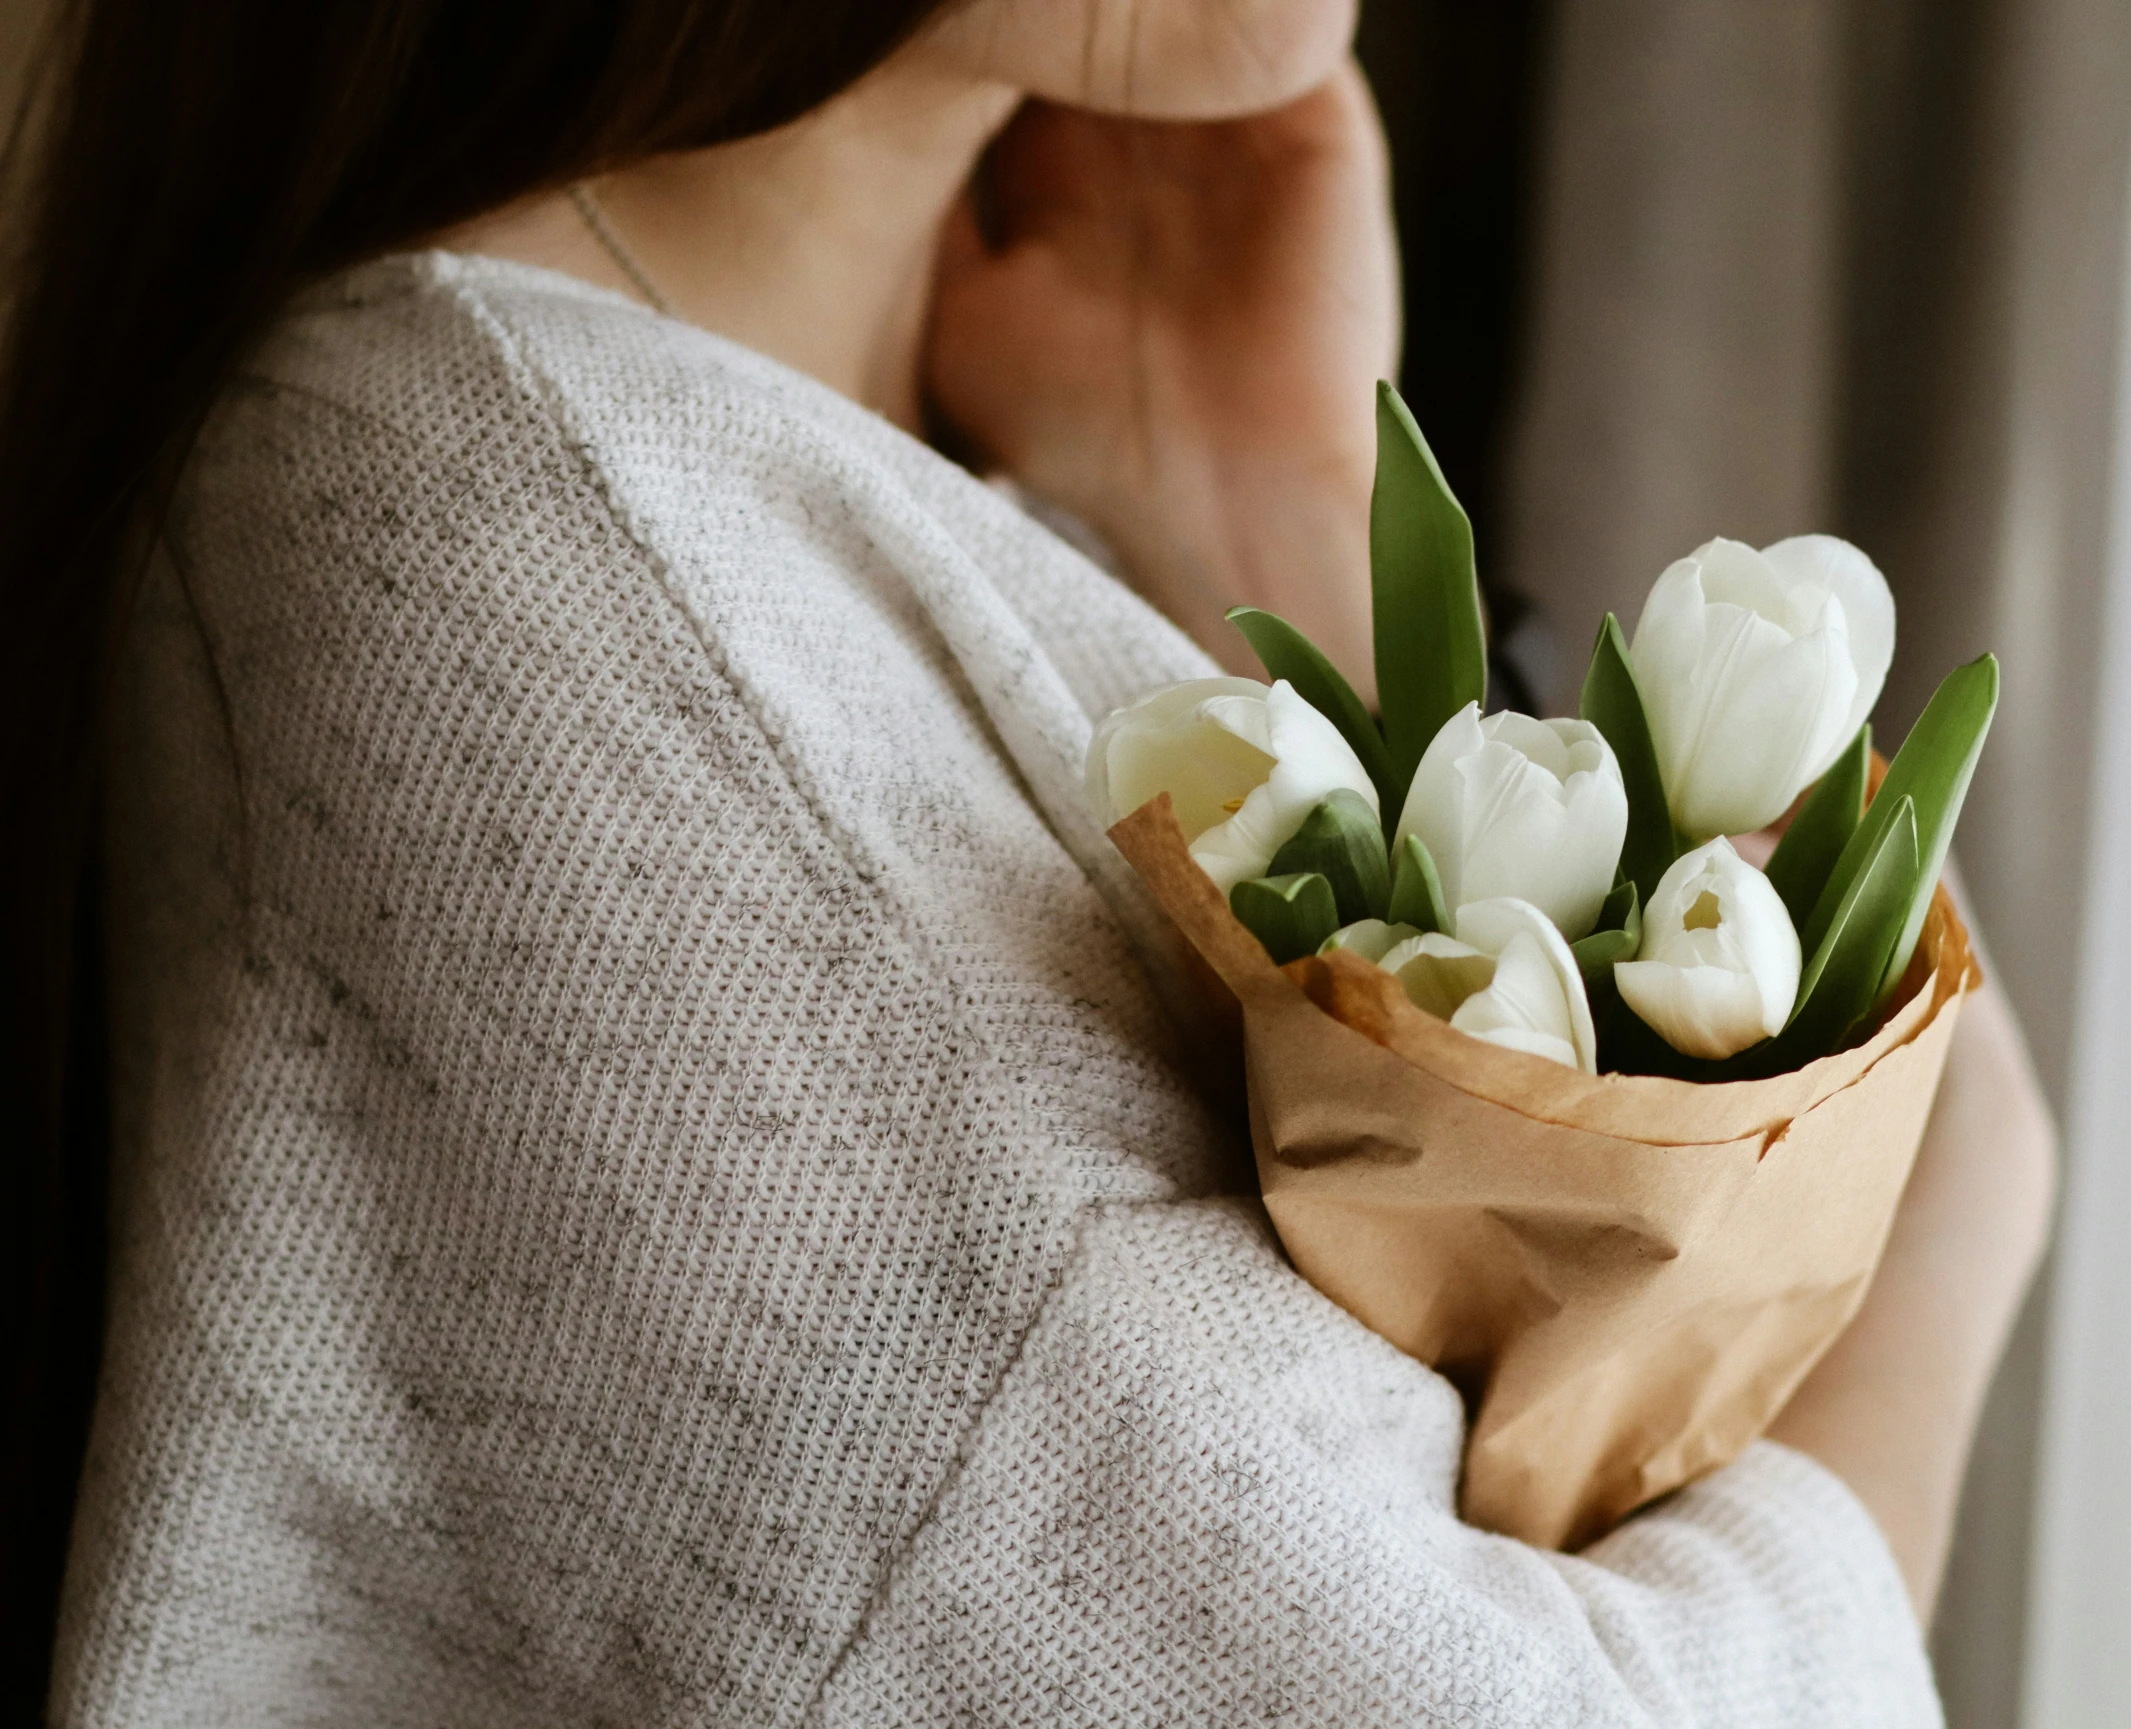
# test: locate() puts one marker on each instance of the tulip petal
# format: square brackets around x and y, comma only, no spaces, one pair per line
[1526,1039]
[1166,742]
[1372,939]
[1769,705]
[1313,758]
[1508,810]
[1523,997]
[1530,834]
[1734,574]
[1541,741]
[1867,609]
[1242,847]
[1719,963]
[1514,983]
[1434,798]
[1708,1012]
[1439,972]
[1513,807]
[1309,760]
[1563,1009]
[1785,723]
[1755,674]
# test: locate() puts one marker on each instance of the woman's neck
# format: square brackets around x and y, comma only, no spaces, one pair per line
[812,244]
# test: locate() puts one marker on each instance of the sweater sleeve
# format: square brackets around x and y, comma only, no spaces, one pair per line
[1203,1494]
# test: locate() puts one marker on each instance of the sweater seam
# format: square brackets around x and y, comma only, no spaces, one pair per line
[541,394]
[966,1444]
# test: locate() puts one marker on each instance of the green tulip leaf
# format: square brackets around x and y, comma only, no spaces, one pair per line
[1841,981]
[1290,915]
[1416,889]
[1805,858]
[1622,910]
[1596,954]
[1613,702]
[1286,653]
[1618,934]
[1431,649]
[1954,748]
[1342,841]
[1932,769]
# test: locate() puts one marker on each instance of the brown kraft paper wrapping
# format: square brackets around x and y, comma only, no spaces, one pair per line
[1626,1275]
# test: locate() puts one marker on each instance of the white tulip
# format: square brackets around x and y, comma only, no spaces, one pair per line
[1718,966]
[1243,765]
[1372,939]
[1533,810]
[1507,977]
[1756,669]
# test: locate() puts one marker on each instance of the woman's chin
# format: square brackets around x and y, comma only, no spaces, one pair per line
[1156,59]
[1208,60]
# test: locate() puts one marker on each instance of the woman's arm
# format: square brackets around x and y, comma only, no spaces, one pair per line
[1892,1408]
[1204,1494]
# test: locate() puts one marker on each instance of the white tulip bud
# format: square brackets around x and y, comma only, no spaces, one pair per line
[1507,977]
[1243,765]
[1756,669]
[1718,966]
[1512,807]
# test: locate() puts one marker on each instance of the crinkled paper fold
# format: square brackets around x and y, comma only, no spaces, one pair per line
[1626,1275]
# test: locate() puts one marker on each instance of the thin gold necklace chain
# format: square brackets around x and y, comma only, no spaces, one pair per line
[626,261]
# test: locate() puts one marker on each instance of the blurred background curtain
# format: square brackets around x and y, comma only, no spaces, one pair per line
[1767,266]
[1685,267]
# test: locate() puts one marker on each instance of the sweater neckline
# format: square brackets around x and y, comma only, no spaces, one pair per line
[395,273]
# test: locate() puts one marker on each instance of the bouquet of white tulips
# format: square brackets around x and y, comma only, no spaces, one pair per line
[1548,1083]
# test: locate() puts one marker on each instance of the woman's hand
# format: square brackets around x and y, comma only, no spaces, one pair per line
[1893,1406]
[1173,331]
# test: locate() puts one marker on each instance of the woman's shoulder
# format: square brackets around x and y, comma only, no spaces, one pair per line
[466,355]
[507,376]
[525,396]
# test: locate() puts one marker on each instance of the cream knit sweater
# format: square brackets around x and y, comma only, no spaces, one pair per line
[653,1187]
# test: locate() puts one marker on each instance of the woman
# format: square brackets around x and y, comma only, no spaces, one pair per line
[649,1183]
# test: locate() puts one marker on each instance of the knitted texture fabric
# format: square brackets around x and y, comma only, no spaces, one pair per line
[654,1187]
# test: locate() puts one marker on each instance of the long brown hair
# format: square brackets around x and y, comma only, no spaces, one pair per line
[179,167]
